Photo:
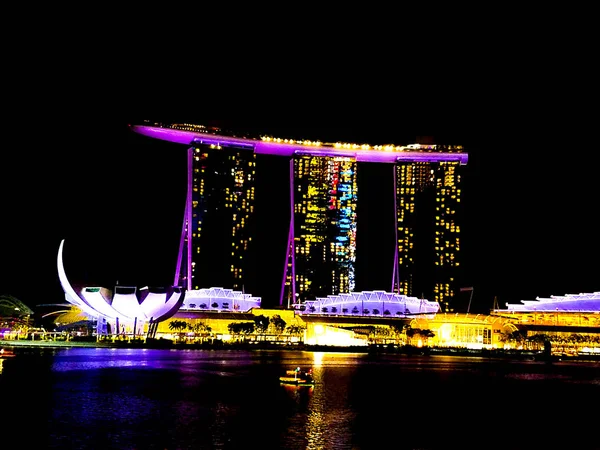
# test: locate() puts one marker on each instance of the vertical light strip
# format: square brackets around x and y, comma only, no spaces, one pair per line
[177,280]
[290,251]
[396,271]
[292,231]
[188,209]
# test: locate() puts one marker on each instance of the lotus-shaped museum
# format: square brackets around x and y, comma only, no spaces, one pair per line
[125,308]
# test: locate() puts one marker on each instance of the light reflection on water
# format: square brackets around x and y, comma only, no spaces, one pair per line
[178,399]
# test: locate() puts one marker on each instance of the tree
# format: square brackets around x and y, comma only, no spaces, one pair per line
[241,327]
[178,326]
[538,340]
[515,337]
[296,330]
[261,323]
[200,329]
[278,323]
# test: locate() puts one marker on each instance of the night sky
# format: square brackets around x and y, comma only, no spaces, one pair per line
[530,196]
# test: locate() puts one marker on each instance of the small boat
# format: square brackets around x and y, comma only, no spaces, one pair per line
[5,353]
[298,377]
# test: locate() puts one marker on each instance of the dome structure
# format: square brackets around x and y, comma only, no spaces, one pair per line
[583,302]
[219,299]
[372,303]
[125,307]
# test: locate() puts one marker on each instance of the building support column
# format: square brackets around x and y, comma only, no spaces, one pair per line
[396,271]
[291,250]
[185,243]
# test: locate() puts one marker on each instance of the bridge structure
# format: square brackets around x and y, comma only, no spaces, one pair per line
[196,135]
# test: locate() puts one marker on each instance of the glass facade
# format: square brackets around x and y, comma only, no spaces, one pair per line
[321,250]
[325,196]
[223,189]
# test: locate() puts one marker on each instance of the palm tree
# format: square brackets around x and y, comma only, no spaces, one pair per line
[178,326]
[201,329]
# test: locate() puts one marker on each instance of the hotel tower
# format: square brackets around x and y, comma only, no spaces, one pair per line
[223,189]
[320,256]
[323,231]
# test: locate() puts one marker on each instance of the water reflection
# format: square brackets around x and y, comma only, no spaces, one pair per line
[330,417]
[173,399]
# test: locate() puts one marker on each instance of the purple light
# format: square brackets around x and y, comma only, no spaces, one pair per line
[287,149]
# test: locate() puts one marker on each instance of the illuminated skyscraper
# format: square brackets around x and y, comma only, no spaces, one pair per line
[321,248]
[427,201]
[324,228]
[223,188]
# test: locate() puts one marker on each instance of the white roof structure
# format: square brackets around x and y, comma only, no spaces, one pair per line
[225,300]
[371,303]
[585,302]
[125,303]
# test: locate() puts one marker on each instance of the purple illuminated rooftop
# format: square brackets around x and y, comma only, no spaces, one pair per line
[197,134]
[588,302]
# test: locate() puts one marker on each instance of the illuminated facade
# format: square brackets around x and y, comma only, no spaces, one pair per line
[219,299]
[223,188]
[324,228]
[427,202]
[588,302]
[126,309]
[369,304]
[321,248]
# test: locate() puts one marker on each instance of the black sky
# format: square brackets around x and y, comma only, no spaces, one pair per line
[517,88]
[530,196]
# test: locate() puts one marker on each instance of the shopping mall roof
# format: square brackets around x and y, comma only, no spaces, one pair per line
[585,302]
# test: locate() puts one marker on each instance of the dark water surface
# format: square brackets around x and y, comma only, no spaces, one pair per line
[203,399]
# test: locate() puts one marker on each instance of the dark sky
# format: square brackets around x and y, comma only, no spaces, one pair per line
[530,196]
